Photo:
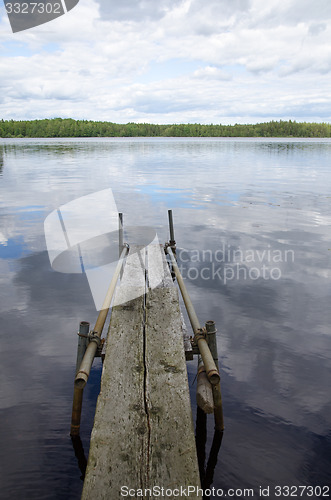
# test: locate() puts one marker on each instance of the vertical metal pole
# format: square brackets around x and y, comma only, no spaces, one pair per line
[171,229]
[84,328]
[120,238]
[211,339]
[172,241]
[76,411]
[120,232]
[217,396]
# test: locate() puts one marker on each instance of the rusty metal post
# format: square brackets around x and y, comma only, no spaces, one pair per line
[208,361]
[95,338]
[76,411]
[84,328]
[217,396]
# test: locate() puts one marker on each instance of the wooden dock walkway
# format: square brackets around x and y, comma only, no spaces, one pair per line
[143,435]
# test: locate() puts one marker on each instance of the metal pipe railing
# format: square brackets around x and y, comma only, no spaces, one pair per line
[208,361]
[95,339]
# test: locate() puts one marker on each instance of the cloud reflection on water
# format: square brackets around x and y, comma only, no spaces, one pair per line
[273,335]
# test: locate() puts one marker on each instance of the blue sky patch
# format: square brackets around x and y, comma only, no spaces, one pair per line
[13,249]
[171,68]
[14,48]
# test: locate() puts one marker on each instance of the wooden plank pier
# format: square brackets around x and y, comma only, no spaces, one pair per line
[143,430]
[143,434]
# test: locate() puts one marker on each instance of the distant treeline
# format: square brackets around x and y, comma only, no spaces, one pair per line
[59,127]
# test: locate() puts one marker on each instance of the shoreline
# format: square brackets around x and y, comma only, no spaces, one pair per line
[69,128]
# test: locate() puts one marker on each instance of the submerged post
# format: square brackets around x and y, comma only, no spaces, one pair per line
[208,361]
[76,411]
[217,396]
[95,337]
[84,328]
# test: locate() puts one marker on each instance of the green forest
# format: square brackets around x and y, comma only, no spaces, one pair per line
[67,127]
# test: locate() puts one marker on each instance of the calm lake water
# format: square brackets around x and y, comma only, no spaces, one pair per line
[252,222]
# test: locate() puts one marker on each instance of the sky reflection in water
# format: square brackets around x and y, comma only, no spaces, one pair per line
[248,196]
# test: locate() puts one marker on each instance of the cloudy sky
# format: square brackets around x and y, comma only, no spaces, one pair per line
[172,61]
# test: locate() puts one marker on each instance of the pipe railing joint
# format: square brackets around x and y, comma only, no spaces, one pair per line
[200,334]
[170,244]
[94,337]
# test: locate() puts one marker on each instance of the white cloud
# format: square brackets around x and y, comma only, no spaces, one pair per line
[250,61]
[3,239]
[211,73]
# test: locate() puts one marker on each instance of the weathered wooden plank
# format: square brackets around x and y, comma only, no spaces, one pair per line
[143,431]
[204,390]
[120,433]
[172,454]
[159,275]
[133,279]
[172,444]
[133,274]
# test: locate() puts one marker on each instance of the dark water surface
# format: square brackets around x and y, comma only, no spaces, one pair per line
[252,220]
